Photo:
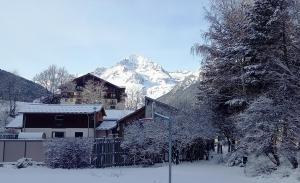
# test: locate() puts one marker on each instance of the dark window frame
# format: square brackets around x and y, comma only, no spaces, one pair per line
[59,136]
[78,134]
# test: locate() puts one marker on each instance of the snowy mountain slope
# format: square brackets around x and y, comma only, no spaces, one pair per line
[141,73]
[180,75]
[184,93]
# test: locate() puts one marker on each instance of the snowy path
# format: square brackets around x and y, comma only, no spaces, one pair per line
[185,173]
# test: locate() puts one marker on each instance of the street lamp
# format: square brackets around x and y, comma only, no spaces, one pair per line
[95,111]
[170,142]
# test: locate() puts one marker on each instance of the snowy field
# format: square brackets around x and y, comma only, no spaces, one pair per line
[200,172]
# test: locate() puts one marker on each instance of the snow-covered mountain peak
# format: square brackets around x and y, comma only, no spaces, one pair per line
[137,72]
[141,64]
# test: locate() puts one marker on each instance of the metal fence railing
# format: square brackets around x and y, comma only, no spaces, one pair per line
[108,152]
[8,136]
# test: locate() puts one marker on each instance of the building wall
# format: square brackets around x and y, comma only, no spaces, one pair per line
[104,133]
[69,132]
[108,103]
[45,120]
[13,150]
[159,107]
[114,97]
[129,119]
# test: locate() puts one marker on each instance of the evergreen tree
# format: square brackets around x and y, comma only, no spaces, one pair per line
[251,75]
[221,85]
[272,69]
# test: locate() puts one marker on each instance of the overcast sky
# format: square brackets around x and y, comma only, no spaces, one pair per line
[84,34]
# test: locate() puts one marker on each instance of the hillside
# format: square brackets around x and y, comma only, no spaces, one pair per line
[27,90]
[182,94]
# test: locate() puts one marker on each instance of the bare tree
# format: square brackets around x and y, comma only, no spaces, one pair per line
[93,92]
[12,93]
[53,77]
[4,112]
[68,87]
[135,98]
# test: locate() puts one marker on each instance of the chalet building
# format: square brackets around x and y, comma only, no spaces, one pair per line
[152,106]
[146,113]
[68,120]
[131,118]
[113,96]
[110,126]
[59,120]
[77,120]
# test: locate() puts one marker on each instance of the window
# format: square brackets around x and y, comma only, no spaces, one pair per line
[78,134]
[113,102]
[58,134]
[112,107]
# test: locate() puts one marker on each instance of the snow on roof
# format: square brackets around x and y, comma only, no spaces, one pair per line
[31,135]
[116,114]
[107,125]
[60,108]
[17,122]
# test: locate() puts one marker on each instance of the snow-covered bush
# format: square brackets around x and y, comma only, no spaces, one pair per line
[69,152]
[144,139]
[24,163]
[258,126]
[4,113]
[192,136]
[259,165]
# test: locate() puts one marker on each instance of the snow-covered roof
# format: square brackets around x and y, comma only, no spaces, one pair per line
[107,125]
[60,108]
[17,122]
[113,114]
[31,135]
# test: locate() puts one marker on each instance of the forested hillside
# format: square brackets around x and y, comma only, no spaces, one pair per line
[21,89]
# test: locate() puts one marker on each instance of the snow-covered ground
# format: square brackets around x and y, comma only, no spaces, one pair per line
[201,172]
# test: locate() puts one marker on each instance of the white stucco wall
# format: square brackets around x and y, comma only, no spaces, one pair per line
[69,132]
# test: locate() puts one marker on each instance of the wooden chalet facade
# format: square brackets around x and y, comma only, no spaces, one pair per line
[129,119]
[114,96]
[59,121]
[110,127]
[146,113]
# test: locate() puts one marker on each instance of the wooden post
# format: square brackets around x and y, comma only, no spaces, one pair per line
[25,148]
[3,150]
[113,152]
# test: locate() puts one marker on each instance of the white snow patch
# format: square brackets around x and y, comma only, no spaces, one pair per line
[186,172]
[107,125]
[16,122]
[114,114]
[31,135]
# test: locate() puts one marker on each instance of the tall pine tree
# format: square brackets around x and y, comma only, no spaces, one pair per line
[272,70]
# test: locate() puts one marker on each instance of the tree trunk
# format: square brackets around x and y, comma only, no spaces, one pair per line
[229,145]
[276,157]
[294,162]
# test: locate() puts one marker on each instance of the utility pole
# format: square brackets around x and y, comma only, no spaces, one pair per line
[95,118]
[170,142]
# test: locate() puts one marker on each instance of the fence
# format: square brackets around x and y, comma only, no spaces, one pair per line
[108,152]
[8,136]
[13,149]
